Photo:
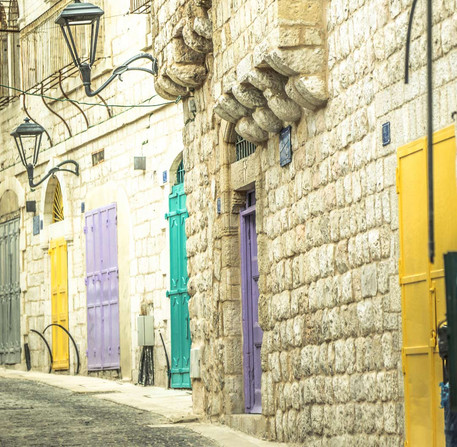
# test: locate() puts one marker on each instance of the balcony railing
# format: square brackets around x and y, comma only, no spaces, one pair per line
[9,13]
[9,51]
[140,6]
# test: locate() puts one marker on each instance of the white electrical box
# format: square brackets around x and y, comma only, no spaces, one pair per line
[145,330]
[195,358]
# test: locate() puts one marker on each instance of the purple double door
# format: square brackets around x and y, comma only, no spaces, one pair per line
[102,283]
[252,332]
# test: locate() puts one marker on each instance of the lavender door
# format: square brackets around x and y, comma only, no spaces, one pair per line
[252,332]
[102,283]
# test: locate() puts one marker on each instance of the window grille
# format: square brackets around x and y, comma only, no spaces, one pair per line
[9,50]
[140,6]
[9,13]
[180,173]
[243,148]
[57,205]
[98,157]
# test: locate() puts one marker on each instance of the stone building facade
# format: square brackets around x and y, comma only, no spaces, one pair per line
[327,228]
[104,141]
[327,224]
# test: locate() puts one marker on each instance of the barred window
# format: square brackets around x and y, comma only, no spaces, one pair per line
[180,173]
[140,6]
[9,51]
[243,148]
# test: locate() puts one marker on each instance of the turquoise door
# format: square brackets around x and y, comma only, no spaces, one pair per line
[179,311]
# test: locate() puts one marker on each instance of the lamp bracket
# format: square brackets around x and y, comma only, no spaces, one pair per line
[52,171]
[85,70]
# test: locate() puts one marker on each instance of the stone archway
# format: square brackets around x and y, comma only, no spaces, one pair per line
[9,206]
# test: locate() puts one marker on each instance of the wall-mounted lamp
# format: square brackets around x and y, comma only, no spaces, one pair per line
[28,141]
[87,14]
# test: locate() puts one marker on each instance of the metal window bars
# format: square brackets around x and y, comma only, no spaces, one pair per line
[57,205]
[9,49]
[180,173]
[140,6]
[243,148]
[9,13]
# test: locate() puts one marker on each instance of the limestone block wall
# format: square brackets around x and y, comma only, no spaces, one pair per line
[141,196]
[327,225]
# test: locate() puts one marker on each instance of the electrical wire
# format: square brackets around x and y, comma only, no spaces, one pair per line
[75,101]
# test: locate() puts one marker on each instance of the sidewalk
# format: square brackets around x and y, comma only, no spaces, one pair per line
[175,405]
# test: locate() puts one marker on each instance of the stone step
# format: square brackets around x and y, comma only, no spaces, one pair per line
[251,424]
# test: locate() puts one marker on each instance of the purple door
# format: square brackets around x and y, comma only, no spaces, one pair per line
[252,332]
[102,283]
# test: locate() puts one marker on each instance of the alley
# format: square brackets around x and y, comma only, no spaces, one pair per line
[34,414]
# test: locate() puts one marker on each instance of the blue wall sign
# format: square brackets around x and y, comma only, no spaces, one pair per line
[36,225]
[285,146]
[386,133]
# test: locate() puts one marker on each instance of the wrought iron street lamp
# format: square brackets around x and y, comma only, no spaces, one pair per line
[88,15]
[28,141]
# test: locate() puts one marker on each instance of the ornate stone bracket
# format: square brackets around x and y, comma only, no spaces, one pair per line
[284,74]
[191,41]
[271,95]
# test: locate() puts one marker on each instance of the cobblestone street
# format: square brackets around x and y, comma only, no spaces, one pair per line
[34,414]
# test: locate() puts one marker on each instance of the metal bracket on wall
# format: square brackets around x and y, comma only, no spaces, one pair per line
[53,112]
[36,122]
[72,102]
[110,114]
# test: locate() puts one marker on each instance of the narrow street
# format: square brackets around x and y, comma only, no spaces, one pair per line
[34,414]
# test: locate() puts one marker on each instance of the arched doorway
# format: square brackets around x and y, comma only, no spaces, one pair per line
[54,214]
[10,292]
[179,298]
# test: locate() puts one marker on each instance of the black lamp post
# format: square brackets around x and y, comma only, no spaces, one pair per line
[28,141]
[87,14]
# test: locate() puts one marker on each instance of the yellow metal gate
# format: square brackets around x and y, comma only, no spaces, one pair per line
[59,303]
[422,283]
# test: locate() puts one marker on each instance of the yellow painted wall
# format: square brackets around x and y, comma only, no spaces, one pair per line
[59,303]
[422,283]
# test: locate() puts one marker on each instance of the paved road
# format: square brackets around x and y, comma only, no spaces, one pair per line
[34,414]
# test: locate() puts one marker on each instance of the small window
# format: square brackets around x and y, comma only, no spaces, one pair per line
[180,173]
[243,148]
[57,205]
[98,157]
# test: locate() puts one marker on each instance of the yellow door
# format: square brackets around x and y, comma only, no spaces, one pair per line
[59,303]
[422,283]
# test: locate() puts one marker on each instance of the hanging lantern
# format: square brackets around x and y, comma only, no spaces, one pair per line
[80,14]
[28,141]
[87,14]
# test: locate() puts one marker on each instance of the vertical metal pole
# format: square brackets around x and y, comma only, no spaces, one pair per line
[431,207]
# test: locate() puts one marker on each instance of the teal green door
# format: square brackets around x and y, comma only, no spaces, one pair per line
[179,311]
